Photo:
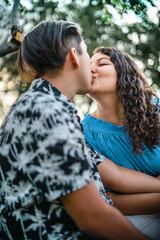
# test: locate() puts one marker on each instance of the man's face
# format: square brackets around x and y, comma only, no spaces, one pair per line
[84,72]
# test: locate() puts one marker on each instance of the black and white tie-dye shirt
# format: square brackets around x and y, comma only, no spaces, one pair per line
[42,158]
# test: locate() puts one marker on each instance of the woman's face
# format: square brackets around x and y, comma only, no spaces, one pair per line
[104,75]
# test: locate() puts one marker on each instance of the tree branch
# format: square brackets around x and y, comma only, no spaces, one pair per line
[9,47]
[17,36]
[14,20]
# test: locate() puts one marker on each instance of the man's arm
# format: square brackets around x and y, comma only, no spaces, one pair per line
[134,204]
[97,218]
[125,180]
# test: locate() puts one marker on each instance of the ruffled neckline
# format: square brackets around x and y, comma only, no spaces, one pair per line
[103,125]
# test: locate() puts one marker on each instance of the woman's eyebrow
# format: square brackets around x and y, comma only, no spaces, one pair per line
[102,58]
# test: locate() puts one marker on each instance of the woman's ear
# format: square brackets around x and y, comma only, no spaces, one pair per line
[74,57]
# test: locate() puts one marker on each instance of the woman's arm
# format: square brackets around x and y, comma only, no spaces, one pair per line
[125,180]
[133,204]
[158,177]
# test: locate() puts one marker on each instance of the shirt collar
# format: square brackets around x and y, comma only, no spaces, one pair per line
[41,84]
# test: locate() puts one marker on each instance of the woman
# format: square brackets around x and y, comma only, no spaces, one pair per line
[125,127]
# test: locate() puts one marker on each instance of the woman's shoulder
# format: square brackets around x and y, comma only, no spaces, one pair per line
[155,100]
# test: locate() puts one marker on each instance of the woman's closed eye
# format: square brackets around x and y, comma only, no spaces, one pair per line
[103,64]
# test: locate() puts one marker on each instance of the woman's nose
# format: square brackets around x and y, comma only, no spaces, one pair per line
[93,69]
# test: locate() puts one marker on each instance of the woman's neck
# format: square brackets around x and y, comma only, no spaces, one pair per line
[109,110]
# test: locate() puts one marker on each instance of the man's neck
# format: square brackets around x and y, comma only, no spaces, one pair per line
[63,84]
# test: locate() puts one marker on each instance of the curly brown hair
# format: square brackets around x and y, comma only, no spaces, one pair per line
[140,112]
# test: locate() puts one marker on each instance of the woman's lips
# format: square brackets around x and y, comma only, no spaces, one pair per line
[93,78]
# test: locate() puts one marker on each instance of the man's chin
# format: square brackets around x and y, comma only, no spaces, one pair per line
[90,90]
[83,92]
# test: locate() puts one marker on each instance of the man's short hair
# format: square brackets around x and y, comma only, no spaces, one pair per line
[46,47]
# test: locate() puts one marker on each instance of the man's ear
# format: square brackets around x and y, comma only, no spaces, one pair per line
[74,57]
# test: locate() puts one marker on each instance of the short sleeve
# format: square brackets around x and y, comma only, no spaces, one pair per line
[98,158]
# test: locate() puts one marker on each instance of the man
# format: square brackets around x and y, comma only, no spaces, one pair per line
[46,183]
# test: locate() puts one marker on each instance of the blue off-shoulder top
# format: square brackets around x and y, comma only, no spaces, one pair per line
[112,142]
